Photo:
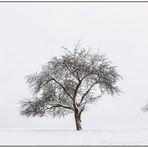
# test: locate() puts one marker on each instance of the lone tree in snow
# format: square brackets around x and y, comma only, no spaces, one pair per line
[67,84]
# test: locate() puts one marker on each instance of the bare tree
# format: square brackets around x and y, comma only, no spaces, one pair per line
[66,84]
[145,108]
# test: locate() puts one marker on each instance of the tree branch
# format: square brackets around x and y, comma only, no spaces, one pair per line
[86,76]
[63,88]
[71,71]
[87,92]
[59,105]
[75,93]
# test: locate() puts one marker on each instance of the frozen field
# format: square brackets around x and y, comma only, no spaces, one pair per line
[71,137]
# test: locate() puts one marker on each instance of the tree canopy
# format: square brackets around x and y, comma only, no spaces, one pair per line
[67,83]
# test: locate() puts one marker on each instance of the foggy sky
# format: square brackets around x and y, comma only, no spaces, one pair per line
[32,33]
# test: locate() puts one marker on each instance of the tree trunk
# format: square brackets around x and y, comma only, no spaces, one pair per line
[78,121]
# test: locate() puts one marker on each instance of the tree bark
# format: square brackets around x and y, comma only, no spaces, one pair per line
[78,120]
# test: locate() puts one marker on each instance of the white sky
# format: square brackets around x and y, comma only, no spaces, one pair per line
[31,33]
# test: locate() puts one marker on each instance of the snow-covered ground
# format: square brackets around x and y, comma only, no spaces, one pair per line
[71,137]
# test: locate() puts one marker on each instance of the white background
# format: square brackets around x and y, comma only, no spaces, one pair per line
[32,33]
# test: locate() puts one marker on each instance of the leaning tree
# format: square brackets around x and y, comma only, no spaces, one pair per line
[68,83]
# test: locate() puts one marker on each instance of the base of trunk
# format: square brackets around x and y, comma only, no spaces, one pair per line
[78,122]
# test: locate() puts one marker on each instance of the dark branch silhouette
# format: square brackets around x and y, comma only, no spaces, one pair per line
[67,84]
